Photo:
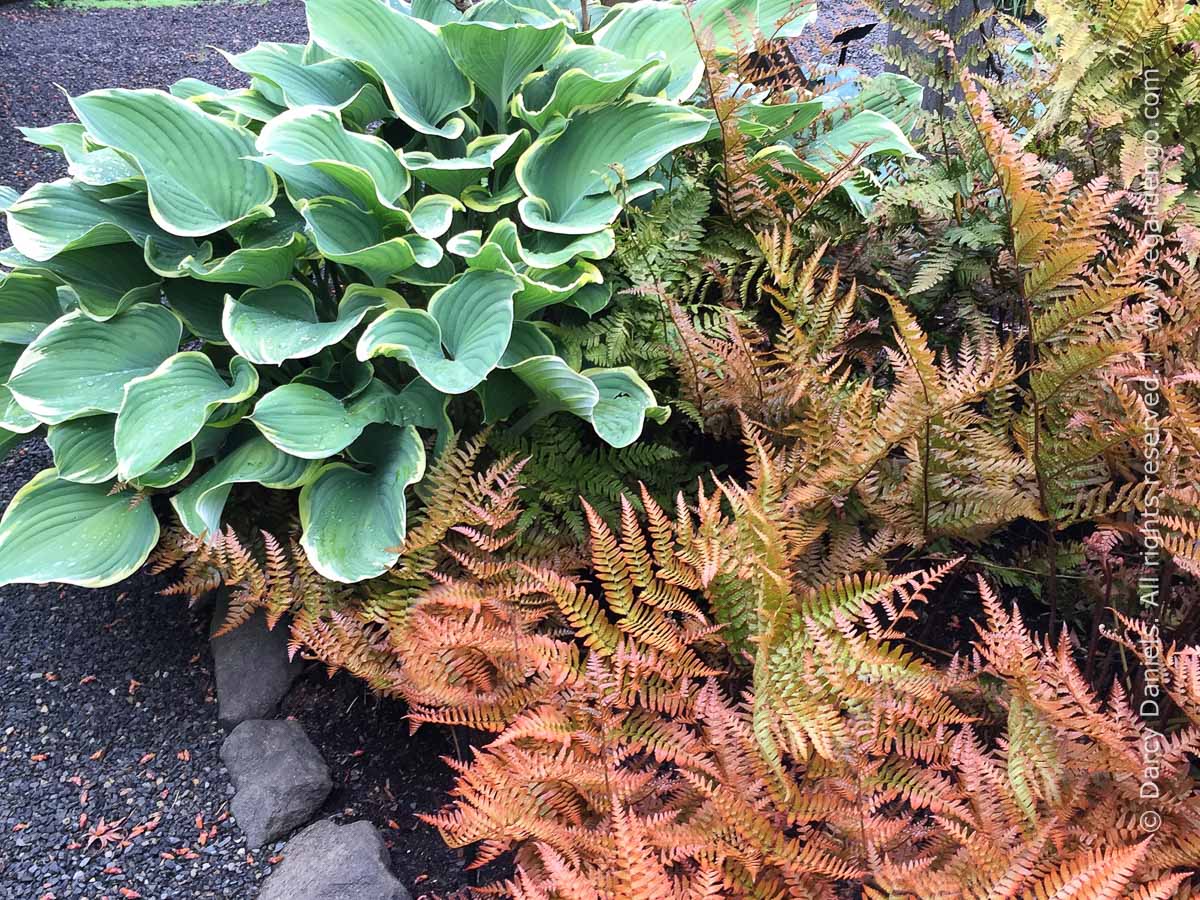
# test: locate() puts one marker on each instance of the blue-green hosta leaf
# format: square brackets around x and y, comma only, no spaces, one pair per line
[615,401]
[570,169]
[312,423]
[314,136]
[591,298]
[79,366]
[165,409]
[654,30]
[252,266]
[347,234]
[176,467]
[199,305]
[864,133]
[541,288]
[333,82]
[578,77]
[201,503]
[452,175]
[354,522]
[84,450]
[8,196]
[424,86]
[13,417]
[270,325]
[95,165]
[458,340]
[196,168]
[50,219]
[439,12]
[102,281]
[226,103]
[28,303]
[498,57]
[58,530]
[487,199]
[774,18]
[527,341]
[505,250]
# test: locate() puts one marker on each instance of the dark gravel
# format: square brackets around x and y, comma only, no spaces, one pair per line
[42,48]
[107,716]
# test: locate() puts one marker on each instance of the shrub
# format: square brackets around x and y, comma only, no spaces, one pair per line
[298,283]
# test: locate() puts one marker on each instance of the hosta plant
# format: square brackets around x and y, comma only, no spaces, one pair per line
[304,283]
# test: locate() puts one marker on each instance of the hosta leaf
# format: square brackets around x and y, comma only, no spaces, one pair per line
[504,248]
[439,12]
[219,101]
[200,504]
[459,340]
[311,136]
[423,85]
[329,82]
[569,170]
[28,303]
[347,234]
[196,168]
[774,18]
[58,530]
[545,287]
[199,305]
[615,401]
[49,219]
[78,366]
[165,409]
[92,165]
[253,266]
[452,175]
[9,440]
[498,57]
[654,30]
[354,522]
[103,281]
[578,77]
[311,423]
[270,325]
[84,450]
[13,417]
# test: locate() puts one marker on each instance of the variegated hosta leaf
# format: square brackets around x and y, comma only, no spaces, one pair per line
[28,303]
[424,86]
[349,235]
[313,137]
[505,250]
[270,325]
[578,77]
[59,530]
[458,340]
[49,219]
[79,366]
[654,30]
[102,281]
[354,521]
[84,449]
[91,164]
[615,401]
[571,169]
[256,461]
[196,166]
[219,101]
[164,410]
[454,174]
[334,82]
[498,57]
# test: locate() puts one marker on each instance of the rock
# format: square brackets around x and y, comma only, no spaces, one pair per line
[280,777]
[330,862]
[252,667]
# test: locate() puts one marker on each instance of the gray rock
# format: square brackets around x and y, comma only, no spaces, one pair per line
[331,862]
[253,671]
[280,777]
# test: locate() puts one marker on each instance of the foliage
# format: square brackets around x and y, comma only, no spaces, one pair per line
[396,223]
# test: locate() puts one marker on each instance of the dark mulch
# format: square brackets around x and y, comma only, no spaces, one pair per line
[106,703]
